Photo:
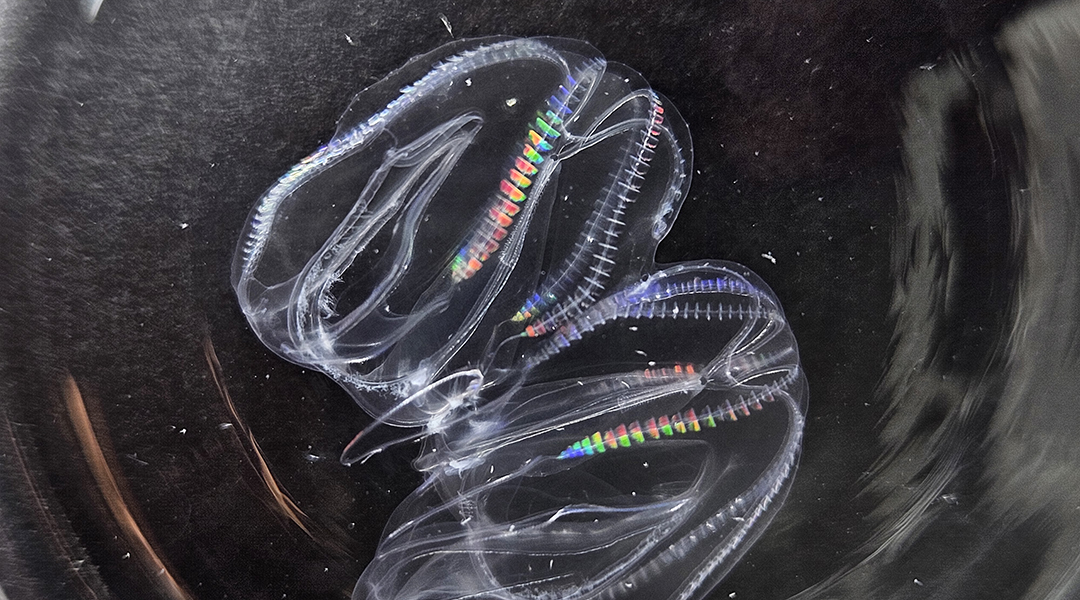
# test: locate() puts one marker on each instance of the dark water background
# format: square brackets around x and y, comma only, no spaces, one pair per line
[904,175]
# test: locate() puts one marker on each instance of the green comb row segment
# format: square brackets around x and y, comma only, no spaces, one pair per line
[690,421]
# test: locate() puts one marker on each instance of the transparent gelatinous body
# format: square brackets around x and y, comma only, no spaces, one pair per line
[472,256]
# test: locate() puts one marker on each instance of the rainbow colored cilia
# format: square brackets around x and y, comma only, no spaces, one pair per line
[507,200]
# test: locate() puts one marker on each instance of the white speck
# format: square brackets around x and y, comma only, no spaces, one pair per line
[348,38]
[224,426]
[633,328]
[446,24]
[511,528]
[268,376]
[917,582]
[184,226]
[511,101]
[645,464]
[468,82]
[769,257]
[126,555]
[806,62]
[926,67]
[183,431]
[731,595]
[551,563]
[641,352]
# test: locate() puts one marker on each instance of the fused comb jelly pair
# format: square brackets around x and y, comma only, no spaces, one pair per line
[475,261]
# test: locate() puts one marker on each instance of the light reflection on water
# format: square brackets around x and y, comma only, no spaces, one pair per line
[978,487]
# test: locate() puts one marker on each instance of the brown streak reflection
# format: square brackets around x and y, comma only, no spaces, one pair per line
[110,491]
[281,499]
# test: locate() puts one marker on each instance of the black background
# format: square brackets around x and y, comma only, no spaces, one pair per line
[133,147]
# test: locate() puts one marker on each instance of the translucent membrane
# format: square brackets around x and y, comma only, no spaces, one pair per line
[472,255]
